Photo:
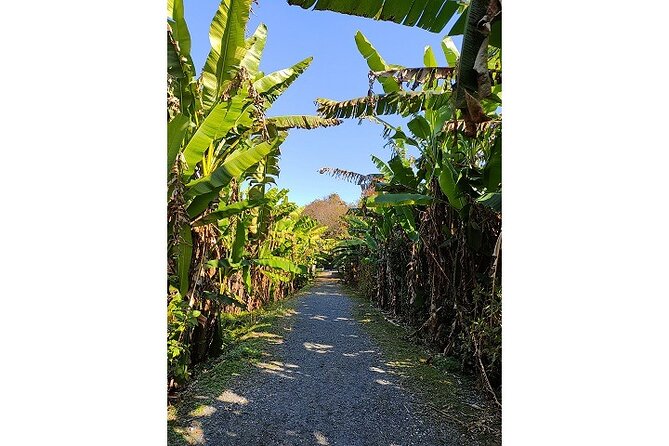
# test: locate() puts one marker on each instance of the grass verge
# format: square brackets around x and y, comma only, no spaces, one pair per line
[443,391]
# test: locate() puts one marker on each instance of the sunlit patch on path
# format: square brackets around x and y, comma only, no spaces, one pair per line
[232,398]
[318,348]
[321,439]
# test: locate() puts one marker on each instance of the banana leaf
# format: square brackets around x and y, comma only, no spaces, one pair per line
[226,211]
[272,85]
[448,184]
[375,62]
[255,46]
[397,102]
[301,122]
[237,250]
[431,15]
[223,118]
[176,130]
[175,11]
[450,51]
[228,44]
[279,263]
[233,167]
[391,200]
[429,59]
[493,200]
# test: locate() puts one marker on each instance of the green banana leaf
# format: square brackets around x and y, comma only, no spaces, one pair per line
[371,242]
[237,250]
[407,222]
[493,200]
[175,11]
[382,166]
[279,263]
[375,62]
[226,211]
[246,276]
[221,263]
[301,122]
[233,167]
[448,184]
[458,27]
[223,118]
[350,242]
[201,203]
[429,59]
[402,173]
[226,36]
[431,15]
[420,127]
[492,172]
[255,46]
[176,130]
[272,85]
[450,51]
[391,200]
[472,41]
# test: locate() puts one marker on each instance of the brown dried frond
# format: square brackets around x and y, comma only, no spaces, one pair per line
[415,76]
[176,205]
[397,102]
[302,122]
[480,126]
[470,125]
[476,112]
[362,180]
[258,105]
[173,103]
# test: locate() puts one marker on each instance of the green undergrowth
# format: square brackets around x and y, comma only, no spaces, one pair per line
[248,335]
[443,391]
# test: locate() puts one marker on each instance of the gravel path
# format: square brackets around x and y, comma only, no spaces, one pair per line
[326,384]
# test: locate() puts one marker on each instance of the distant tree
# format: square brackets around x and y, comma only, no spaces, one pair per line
[328,211]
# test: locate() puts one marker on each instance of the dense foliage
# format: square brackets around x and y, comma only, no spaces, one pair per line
[234,241]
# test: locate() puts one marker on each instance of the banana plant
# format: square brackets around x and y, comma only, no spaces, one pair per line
[218,131]
[455,170]
[452,159]
[218,137]
[430,247]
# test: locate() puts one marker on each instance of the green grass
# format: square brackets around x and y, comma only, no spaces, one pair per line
[248,336]
[443,391]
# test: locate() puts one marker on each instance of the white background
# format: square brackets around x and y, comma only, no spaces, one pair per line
[83,223]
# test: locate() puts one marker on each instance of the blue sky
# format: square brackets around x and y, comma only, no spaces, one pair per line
[338,71]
